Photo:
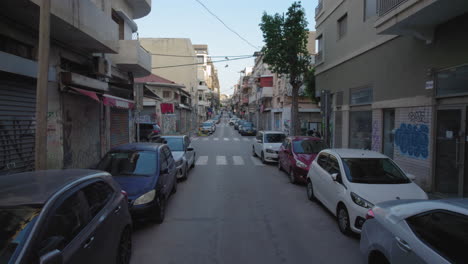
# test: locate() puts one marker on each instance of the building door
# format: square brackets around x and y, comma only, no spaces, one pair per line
[450,147]
[119,130]
[388,132]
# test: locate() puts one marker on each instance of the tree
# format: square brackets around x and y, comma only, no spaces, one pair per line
[309,80]
[285,51]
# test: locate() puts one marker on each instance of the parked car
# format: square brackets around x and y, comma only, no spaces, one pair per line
[206,128]
[149,130]
[147,172]
[296,154]
[232,121]
[64,216]
[183,153]
[267,145]
[350,181]
[237,123]
[403,231]
[247,129]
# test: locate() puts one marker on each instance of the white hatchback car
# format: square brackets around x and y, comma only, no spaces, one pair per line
[267,145]
[350,181]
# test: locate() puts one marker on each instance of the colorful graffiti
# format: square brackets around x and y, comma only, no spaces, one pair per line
[413,140]
[376,138]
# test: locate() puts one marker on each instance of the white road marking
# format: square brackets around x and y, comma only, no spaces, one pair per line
[238,160]
[216,139]
[205,139]
[236,139]
[246,139]
[221,160]
[226,139]
[202,160]
[195,139]
[256,161]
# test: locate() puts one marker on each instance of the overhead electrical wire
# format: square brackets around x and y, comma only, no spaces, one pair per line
[200,63]
[188,56]
[229,28]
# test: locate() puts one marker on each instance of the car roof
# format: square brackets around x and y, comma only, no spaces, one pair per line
[356,153]
[272,132]
[36,187]
[295,138]
[402,209]
[148,146]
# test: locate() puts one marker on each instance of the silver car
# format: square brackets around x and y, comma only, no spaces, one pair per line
[183,153]
[416,231]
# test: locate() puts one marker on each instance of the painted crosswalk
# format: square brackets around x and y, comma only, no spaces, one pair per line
[222,160]
[236,139]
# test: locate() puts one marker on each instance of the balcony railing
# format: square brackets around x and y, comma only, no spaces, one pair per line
[385,6]
[318,8]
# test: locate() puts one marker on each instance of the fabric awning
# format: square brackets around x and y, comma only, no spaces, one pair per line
[90,94]
[114,101]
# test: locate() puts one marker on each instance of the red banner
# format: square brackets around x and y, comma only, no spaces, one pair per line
[266,81]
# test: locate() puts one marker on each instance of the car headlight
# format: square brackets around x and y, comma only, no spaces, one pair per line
[270,151]
[360,201]
[145,198]
[301,164]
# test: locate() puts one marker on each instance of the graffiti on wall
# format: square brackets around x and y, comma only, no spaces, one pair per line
[413,140]
[169,123]
[376,136]
[17,144]
[286,125]
[418,117]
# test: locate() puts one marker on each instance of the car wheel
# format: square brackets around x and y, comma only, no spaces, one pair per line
[342,217]
[174,187]
[263,158]
[253,152]
[292,176]
[193,163]
[376,257]
[310,190]
[124,252]
[185,177]
[161,209]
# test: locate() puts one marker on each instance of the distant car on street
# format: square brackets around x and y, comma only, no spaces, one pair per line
[183,153]
[64,216]
[147,172]
[247,129]
[412,231]
[207,128]
[349,182]
[232,121]
[238,123]
[267,145]
[296,154]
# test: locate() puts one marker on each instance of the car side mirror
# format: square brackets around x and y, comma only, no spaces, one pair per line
[336,177]
[411,177]
[165,171]
[190,149]
[52,257]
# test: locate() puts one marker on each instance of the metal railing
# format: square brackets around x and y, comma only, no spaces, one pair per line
[385,6]
[319,8]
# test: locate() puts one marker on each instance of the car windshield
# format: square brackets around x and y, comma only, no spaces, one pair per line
[247,125]
[308,146]
[207,124]
[129,163]
[274,138]
[373,171]
[16,224]
[174,144]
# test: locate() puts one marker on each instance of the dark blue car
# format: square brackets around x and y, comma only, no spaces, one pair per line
[147,172]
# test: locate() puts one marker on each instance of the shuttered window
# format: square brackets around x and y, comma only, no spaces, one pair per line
[119,131]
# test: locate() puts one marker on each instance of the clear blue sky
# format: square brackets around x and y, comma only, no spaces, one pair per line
[188,19]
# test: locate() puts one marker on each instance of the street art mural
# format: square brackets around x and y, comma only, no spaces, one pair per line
[413,140]
[169,123]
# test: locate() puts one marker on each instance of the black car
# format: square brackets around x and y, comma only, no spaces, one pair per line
[247,129]
[63,216]
[147,172]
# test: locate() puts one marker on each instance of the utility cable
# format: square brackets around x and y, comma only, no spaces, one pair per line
[188,56]
[191,64]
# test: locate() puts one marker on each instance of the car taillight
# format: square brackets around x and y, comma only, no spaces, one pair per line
[370,214]
[125,194]
[155,131]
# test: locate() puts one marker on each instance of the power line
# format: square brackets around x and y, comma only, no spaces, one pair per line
[230,29]
[188,56]
[191,64]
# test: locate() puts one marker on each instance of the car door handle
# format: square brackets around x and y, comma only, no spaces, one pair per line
[403,244]
[117,209]
[88,242]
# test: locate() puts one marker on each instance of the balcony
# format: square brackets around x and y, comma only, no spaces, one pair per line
[132,58]
[267,92]
[140,8]
[83,26]
[415,17]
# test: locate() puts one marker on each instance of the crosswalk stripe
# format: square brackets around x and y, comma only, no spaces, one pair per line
[236,139]
[205,139]
[226,139]
[221,160]
[246,139]
[195,139]
[216,139]
[202,160]
[238,160]
[256,161]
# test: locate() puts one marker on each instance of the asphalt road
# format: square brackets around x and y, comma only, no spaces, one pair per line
[233,209]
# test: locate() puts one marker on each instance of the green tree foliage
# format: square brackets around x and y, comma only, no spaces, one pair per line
[309,80]
[285,51]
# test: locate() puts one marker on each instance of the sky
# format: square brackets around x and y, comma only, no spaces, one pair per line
[188,19]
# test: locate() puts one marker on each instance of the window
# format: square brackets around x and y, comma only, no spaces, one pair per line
[361,96]
[176,96]
[274,138]
[169,157]
[200,59]
[370,9]
[452,81]
[163,160]
[308,146]
[129,163]
[166,94]
[98,194]
[360,129]
[373,171]
[342,26]
[333,165]
[319,44]
[443,231]
[174,143]
[322,160]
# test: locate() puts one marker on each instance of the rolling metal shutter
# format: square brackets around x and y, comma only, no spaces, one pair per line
[119,131]
[17,125]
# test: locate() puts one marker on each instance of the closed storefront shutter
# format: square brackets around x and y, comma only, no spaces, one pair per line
[17,125]
[119,131]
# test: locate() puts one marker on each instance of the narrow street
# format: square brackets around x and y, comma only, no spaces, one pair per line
[234,209]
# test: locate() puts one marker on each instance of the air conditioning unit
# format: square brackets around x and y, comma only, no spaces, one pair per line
[102,66]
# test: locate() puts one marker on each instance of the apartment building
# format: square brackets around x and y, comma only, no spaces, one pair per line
[398,77]
[94,56]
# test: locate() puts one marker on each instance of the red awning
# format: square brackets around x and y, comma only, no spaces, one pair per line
[266,81]
[90,94]
[167,108]
[118,102]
